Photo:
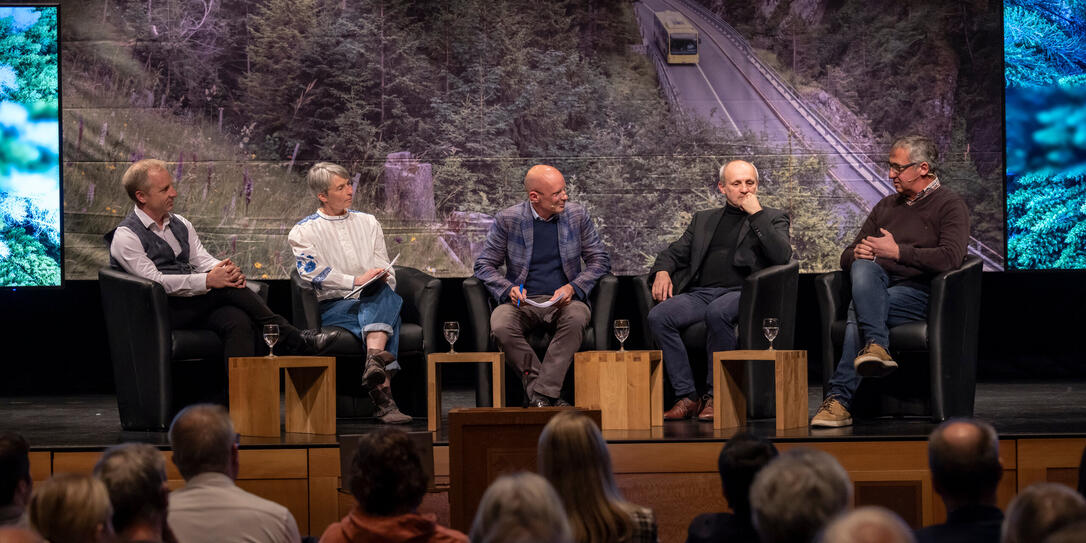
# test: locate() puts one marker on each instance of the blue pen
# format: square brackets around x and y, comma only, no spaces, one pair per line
[521,294]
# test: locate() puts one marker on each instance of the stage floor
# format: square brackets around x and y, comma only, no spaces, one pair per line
[1017,410]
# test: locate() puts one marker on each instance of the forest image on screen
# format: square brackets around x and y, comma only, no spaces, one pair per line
[29,148]
[1045,73]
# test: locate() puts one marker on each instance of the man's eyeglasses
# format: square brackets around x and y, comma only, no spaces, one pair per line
[898,168]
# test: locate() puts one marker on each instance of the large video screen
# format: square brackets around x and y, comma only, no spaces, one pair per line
[30,197]
[1045,73]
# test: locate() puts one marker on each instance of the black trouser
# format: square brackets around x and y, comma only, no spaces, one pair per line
[236,315]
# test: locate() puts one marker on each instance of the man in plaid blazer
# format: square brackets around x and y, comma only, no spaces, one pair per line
[541,243]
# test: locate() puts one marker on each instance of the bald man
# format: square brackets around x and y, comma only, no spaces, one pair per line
[965,470]
[700,277]
[542,242]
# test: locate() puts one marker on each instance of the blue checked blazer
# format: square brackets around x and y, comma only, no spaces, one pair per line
[509,243]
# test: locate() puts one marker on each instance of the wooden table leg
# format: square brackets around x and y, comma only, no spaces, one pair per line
[497,380]
[254,396]
[790,369]
[729,400]
[310,400]
[433,396]
[656,391]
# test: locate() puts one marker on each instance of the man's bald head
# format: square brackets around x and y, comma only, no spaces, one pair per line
[964,458]
[738,169]
[546,188]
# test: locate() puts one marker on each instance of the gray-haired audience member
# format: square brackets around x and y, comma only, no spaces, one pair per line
[963,456]
[1071,533]
[135,476]
[211,507]
[520,508]
[71,508]
[797,494]
[742,457]
[15,482]
[868,525]
[1040,510]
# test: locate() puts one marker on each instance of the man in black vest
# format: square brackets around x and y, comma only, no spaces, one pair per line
[700,277]
[204,292]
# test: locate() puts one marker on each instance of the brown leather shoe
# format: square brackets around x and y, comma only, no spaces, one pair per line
[682,410]
[706,414]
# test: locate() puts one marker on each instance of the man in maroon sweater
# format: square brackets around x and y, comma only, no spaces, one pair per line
[908,238]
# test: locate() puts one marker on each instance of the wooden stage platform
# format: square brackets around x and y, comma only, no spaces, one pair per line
[671,469]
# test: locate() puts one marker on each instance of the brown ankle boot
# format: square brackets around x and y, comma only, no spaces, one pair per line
[374,373]
[384,407]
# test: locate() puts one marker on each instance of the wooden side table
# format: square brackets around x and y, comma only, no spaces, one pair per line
[433,380]
[626,386]
[730,405]
[310,394]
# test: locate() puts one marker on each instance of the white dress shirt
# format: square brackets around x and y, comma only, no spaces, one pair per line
[127,249]
[331,250]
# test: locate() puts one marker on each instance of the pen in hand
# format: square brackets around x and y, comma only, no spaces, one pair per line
[520,294]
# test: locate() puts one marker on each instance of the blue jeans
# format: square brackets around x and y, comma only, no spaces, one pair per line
[875,308]
[376,313]
[718,307]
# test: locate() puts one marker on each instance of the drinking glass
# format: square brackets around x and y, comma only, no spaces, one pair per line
[622,331]
[770,327]
[452,331]
[271,335]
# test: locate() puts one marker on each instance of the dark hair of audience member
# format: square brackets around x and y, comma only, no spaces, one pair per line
[965,470]
[71,508]
[1082,474]
[387,477]
[1040,510]
[870,524]
[520,508]
[14,465]
[202,437]
[135,477]
[739,461]
[573,457]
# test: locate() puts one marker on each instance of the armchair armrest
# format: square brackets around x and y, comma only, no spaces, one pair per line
[306,311]
[420,292]
[769,292]
[953,320]
[603,308]
[645,303]
[833,298]
[478,301]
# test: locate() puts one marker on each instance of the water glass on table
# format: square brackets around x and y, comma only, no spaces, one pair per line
[271,336]
[622,331]
[452,332]
[770,327]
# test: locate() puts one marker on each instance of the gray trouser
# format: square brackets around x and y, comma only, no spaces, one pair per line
[511,324]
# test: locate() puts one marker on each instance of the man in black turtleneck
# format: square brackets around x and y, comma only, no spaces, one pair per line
[700,277]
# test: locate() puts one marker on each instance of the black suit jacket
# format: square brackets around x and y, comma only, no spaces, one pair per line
[721,527]
[969,524]
[763,242]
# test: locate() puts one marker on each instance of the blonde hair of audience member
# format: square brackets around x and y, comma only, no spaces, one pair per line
[796,494]
[520,508]
[869,524]
[1040,510]
[573,457]
[71,508]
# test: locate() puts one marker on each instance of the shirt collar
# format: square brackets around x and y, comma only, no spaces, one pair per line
[538,218]
[150,223]
[924,193]
[326,216]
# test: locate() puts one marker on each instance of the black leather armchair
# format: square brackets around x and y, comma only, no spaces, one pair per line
[770,292]
[481,304]
[943,387]
[418,336]
[146,350]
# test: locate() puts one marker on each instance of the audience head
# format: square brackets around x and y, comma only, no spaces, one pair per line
[1082,474]
[1070,533]
[740,460]
[964,459]
[135,477]
[71,508]
[520,508]
[386,476]
[11,534]
[15,482]
[203,440]
[573,457]
[1040,510]
[868,525]
[796,494]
